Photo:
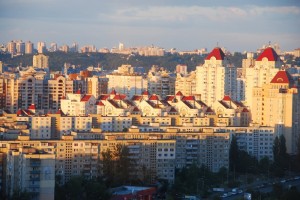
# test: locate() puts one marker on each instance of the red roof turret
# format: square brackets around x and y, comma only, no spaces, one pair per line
[179,93]
[268,53]
[226,98]
[282,77]
[145,92]
[31,107]
[113,91]
[154,97]
[217,53]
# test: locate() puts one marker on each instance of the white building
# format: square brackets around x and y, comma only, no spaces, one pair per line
[266,66]
[78,104]
[126,81]
[40,127]
[216,78]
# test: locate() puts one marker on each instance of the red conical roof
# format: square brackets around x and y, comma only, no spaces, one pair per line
[179,93]
[268,53]
[31,107]
[145,92]
[217,53]
[282,77]
[113,92]
[226,98]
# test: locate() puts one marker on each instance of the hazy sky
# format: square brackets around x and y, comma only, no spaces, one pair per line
[183,24]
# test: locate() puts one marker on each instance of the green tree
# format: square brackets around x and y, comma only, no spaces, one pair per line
[233,154]
[122,163]
[108,167]
[81,188]
[280,156]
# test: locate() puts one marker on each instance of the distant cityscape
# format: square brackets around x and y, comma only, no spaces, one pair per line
[19,47]
[56,125]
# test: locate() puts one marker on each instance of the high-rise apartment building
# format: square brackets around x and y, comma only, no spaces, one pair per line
[186,83]
[53,47]
[20,47]
[266,66]
[216,78]
[277,104]
[41,61]
[181,69]
[30,170]
[11,47]
[97,85]
[29,48]
[41,47]
[160,82]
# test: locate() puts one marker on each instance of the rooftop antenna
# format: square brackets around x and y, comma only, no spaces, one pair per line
[269,43]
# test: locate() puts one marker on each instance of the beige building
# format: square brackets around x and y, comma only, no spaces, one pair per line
[160,82]
[186,83]
[29,169]
[40,61]
[277,104]
[266,66]
[97,86]
[28,47]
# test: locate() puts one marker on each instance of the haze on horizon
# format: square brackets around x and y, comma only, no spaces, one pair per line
[185,25]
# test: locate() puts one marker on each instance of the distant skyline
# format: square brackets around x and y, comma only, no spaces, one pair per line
[185,25]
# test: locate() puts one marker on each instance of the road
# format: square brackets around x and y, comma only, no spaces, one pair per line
[267,187]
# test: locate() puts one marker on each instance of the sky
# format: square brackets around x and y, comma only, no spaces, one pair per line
[182,24]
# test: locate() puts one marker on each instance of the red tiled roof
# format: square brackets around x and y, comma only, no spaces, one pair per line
[226,98]
[188,98]
[119,97]
[145,92]
[153,97]
[268,53]
[179,93]
[113,92]
[173,110]
[136,98]
[282,77]
[217,53]
[135,109]
[245,110]
[100,103]
[31,107]
[169,98]
[86,97]
[20,112]
[209,110]
[104,97]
